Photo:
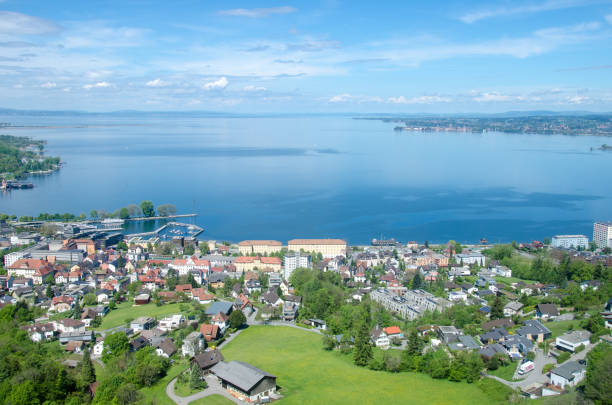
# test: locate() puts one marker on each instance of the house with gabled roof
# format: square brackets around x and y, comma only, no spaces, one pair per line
[244,381]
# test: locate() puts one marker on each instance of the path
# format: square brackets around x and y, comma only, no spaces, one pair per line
[214,387]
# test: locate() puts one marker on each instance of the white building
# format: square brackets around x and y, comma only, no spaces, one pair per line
[171,322]
[570,374]
[457,296]
[571,340]
[602,234]
[570,241]
[293,261]
[471,258]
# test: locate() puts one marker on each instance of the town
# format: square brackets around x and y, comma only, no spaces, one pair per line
[174,318]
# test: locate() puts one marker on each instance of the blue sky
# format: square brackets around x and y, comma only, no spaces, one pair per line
[310,56]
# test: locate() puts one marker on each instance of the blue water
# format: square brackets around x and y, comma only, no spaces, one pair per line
[319,176]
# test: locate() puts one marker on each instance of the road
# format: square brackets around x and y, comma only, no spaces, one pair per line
[536,376]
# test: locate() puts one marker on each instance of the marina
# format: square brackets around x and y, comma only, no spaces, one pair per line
[171,230]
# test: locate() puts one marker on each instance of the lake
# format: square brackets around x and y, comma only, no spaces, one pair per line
[321,176]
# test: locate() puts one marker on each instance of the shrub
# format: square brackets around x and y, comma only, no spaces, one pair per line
[563,357]
[579,348]
[547,367]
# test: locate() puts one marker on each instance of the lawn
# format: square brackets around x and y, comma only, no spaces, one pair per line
[181,387]
[308,374]
[157,394]
[214,399]
[559,328]
[126,310]
[506,372]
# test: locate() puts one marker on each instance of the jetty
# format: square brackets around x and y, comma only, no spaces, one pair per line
[159,217]
[170,231]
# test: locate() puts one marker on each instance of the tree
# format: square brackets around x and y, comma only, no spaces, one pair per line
[90,299]
[147,208]
[546,241]
[93,214]
[417,281]
[166,210]
[124,213]
[415,344]
[127,394]
[237,319]
[49,292]
[497,308]
[598,385]
[88,373]
[48,229]
[362,352]
[76,311]
[427,244]
[195,379]
[189,250]
[115,345]
[134,210]
[204,249]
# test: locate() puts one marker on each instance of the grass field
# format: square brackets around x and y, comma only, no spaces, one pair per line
[505,372]
[308,374]
[215,399]
[559,328]
[157,393]
[181,387]
[127,310]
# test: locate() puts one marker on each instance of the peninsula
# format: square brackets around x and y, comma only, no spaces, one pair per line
[592,124]
[21,156]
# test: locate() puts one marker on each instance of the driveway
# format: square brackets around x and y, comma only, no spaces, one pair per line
[214,387]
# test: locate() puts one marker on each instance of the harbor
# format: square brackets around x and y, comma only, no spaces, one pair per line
[169,231]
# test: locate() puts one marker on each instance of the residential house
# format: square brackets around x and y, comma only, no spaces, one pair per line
[517,346]
[513,308]
[61,303]
[546,311]
[210,332]
[535,331]
[568,374]
[393,332]
[570,341]
[202,296]
[138,343]
[192,344]
[221,320]
[379,338]
[464,342]
[271,298]
[244,381]
[68,325]
[171,322]
[75,346]
[220,306]
[491,350]
[290,311]
[457,296]
[495,335]
[448,333]
[207,360]
[142,299]
[252,286]
[142,323]
[39,332]
[498,323]
[165,348]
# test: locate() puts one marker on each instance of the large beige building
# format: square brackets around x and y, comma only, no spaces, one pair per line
[327,247]
[602,234]
[259,247]
[252,263]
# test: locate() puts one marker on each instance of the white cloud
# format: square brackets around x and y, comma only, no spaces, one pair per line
[258,12]
[419,100]
[156,83]
[217,84]
[253,88]
[525,8]
[97,85]
[48,85]
[496,97]
[21,24]
[66,89]
[578,100]
[609,18]
[341,98]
